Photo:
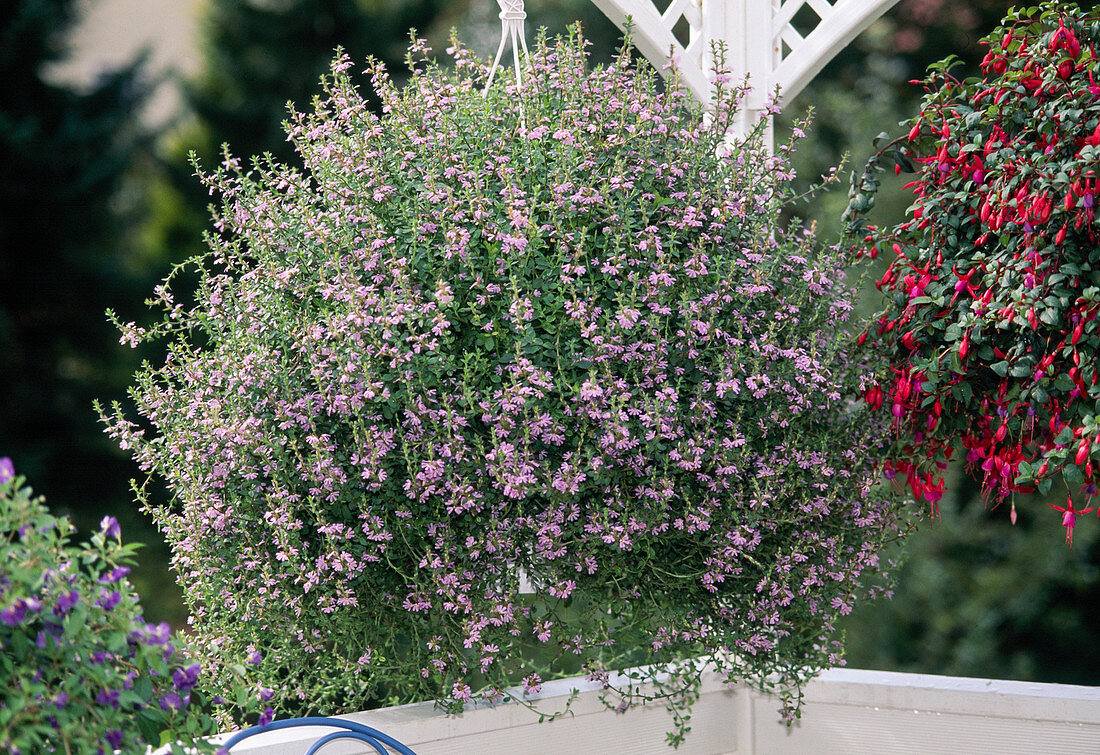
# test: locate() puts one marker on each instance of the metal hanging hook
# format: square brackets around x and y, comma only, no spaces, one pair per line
[512,18]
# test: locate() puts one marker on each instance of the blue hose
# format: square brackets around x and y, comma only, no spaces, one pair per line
[353,730]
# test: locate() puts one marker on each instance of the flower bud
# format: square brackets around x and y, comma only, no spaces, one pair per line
[1082,452]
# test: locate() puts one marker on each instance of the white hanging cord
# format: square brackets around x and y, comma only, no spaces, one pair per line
[511,27]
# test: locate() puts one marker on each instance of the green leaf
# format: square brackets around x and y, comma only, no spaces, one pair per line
[150,730]
[76,620]
[905,163]
[963,392]
[1073,475]
[143,686]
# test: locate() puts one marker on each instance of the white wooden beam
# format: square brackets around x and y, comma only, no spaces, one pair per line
[654,39]
[847,19]
[754,32]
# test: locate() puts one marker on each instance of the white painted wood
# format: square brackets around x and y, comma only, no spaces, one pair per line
[845,711]
[754,32]
[873,712]
[512,729]
[653,38]
[836,30]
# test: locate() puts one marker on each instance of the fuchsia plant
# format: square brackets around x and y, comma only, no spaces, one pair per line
[557,330]
[991,325]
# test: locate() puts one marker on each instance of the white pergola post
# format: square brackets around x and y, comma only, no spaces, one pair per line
[755,33]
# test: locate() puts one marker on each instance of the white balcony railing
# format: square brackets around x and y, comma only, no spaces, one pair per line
[845,711]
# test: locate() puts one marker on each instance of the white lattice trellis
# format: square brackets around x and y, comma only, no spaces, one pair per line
[762,38]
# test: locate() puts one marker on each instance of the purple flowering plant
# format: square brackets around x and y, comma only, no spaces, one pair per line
[80,669]
[555,331]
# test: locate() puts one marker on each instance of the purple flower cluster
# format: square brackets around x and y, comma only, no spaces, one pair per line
[81,666]
[557,331]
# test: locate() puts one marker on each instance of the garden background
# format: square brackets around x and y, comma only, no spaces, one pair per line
[98,201]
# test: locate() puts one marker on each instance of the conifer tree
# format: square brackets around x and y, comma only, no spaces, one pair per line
[257,56]
[70,200]
[64,157]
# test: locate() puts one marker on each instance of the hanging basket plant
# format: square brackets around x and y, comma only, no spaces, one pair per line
[993,293]
[554,331]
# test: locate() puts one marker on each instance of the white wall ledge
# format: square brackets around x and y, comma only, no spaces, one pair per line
[997,698]
[845,711]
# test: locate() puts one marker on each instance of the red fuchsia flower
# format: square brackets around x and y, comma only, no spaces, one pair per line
[932,489]
[1069,516]
[1040,208]
[1094,89]
[1092,140]
[1082,452]
[1033,83]
[1065,39]
[874,397]
[964,284]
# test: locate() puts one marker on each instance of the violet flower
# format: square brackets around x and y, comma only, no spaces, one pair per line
[109,599]
[171,701]
[109,527]
[13,615]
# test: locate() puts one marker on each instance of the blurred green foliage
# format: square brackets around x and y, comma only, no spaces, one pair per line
[68,203]
[979,597]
